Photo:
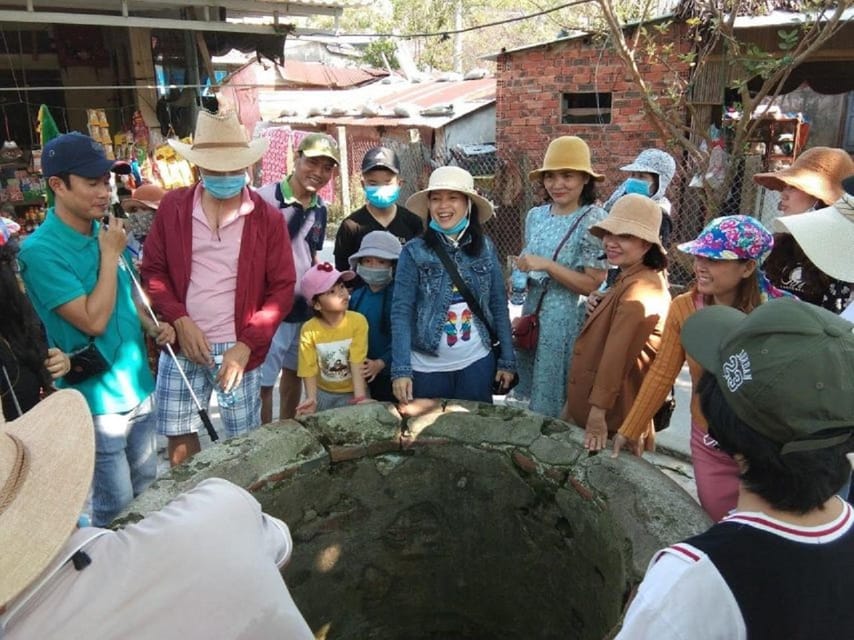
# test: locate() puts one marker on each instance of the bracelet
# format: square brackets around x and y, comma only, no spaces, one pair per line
[357,399]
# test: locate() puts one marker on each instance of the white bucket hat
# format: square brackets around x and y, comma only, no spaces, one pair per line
[220,143]
[47,457]
[450,179]
[826,235]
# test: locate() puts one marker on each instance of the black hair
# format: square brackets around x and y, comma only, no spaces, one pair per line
[65,176]
[654,258]
[588,192]
[19,325]
[797,482]
[475,232]
[786,254]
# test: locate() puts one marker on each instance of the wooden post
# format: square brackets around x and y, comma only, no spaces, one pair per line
[142,73]
[344,169]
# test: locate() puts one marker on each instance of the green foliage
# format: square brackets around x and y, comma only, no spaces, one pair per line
[374,52]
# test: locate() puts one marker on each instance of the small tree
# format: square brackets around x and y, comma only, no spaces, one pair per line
[708,31]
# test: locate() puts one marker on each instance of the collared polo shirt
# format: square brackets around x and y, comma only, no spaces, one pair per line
[58,265]
[213,272]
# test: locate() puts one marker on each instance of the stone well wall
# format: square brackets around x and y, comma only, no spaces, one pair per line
[467,521]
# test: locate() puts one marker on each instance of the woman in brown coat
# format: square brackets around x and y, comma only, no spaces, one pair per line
[620,338]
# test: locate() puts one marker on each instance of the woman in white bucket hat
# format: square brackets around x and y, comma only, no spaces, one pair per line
[441,346]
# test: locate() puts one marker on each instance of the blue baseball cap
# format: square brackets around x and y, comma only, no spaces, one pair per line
[75,154]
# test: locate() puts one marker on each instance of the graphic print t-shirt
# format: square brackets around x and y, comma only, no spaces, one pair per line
[460,344]
[326,352]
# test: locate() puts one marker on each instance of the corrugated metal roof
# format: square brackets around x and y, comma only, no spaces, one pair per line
[344,107]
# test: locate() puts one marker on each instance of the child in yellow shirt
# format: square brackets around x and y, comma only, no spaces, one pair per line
[333,344]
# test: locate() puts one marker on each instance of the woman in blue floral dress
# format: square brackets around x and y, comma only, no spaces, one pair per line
[561,281]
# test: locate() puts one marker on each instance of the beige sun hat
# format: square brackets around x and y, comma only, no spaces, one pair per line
[818,172]
[220,143]
[450,179]
[47,457]
[633,215]
[567,152]
[826,235]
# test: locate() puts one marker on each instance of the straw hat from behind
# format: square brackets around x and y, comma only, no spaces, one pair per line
[450,179]
[826,235]
[633,215]
[817,172]
[220,143]
[44,481]
[566,153]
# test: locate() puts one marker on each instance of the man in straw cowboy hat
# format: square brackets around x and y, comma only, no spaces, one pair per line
[297,197]
[218,265]
[212,543]
[80,287]
[779,566]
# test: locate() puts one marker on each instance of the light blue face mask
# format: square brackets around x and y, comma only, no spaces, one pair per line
[375,276]
[455,230]
[224,187]
[636,185]
[382,196]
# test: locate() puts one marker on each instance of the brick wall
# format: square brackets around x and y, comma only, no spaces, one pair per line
[528,109]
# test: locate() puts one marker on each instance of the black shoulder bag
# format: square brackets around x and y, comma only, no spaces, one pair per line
[473,304]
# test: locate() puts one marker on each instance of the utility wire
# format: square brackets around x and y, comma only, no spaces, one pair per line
[448,32]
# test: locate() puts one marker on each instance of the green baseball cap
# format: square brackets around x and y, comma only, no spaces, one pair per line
[320,145]
[786,369]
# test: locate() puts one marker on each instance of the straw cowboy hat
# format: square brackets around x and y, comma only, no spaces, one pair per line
[567,153]
[826,235]
[147,196]
[817,172]
[47,457]
[220,143]
[450,179]
[633,215]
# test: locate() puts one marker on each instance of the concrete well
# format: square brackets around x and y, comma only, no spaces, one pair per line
[466,521]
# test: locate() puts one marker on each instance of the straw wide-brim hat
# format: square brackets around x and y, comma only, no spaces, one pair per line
[450,179]
[817,172]
[566,153]
[148,195]
[47,457]
[826,236]
[633,215]
[220,143]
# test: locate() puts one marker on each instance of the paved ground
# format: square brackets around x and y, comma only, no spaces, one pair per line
[673,454]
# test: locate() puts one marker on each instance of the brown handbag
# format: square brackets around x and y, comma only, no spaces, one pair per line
[526,330]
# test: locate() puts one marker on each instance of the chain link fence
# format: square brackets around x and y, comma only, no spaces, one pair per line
[502,177]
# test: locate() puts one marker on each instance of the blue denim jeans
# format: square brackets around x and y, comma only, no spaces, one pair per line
[472,383]
[125,459]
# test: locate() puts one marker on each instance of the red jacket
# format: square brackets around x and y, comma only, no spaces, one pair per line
[265,269]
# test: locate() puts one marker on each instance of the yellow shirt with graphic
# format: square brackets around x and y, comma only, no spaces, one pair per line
[326,352]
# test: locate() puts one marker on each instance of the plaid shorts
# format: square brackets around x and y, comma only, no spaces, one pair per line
[178,415]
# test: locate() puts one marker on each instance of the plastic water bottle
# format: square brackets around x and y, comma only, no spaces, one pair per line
[223,398]
[518,286]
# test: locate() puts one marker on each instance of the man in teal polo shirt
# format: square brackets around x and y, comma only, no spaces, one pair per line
[83,293]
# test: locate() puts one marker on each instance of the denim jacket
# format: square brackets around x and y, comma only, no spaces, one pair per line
[422,296]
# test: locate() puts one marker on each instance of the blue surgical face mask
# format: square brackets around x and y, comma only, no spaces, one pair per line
[382,196]
[224,187]
[636,185]
[375,276]
[457,229]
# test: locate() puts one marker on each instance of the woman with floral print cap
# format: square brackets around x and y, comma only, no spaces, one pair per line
[727,258]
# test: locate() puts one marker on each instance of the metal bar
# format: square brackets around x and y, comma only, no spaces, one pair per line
[240,6]
[132,87]
[53,17]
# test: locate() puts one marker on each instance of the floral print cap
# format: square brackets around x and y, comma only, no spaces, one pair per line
[732,238]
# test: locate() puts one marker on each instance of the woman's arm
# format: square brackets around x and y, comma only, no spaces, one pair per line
[403,315]
[500,313]
[580,282]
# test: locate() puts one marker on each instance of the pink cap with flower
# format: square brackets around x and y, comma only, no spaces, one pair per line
[321,278]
